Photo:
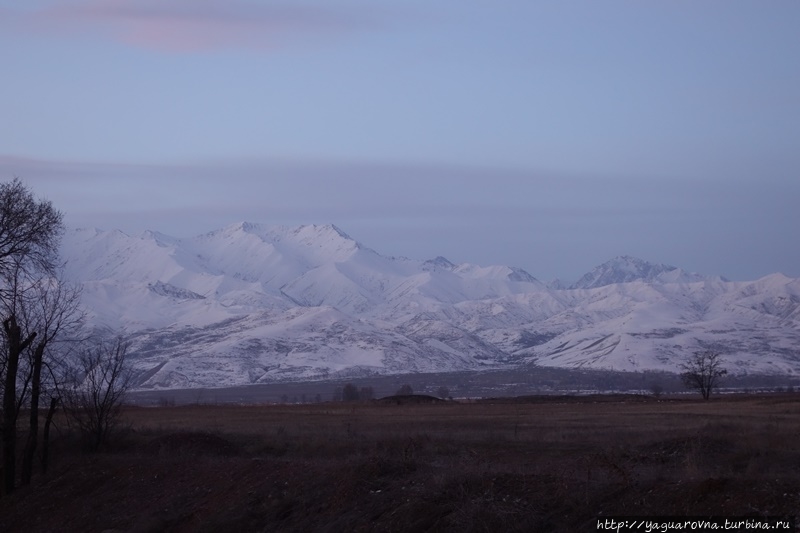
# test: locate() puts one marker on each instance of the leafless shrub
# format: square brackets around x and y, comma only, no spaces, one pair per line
[99,384]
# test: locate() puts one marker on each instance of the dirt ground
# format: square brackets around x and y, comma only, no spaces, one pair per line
[525,465]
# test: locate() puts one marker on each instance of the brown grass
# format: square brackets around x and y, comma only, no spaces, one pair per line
[554,465]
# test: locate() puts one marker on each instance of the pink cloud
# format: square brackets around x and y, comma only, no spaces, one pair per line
[197,25]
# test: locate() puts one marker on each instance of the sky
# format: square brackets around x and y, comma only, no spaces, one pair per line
[550,136]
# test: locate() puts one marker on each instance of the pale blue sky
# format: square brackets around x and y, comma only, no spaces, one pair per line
[546,135]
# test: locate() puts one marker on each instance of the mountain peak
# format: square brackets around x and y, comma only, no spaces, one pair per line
[321,230]
[438,262]
[518,274]
[303,232]
[626,269]
[338,230]
[158,237]
[230,229]
[622,269]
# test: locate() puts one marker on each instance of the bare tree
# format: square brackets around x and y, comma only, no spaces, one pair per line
[702,372]
[405,390]
[338,394]
[54,312]
[94,399]
[366,394]
[30,233]
[443,392]
[350,393]
[657,389]
[30,230]
[17,343]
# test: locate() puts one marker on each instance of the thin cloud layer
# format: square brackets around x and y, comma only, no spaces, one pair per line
[553,226]
[188,26]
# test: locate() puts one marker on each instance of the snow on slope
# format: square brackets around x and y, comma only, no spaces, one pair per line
[625,269]
[252,303]
[638,326]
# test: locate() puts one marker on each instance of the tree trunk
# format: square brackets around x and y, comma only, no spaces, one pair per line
[15,347]
[33,432]
[46,434]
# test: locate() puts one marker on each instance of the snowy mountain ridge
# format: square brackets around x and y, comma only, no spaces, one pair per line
[625,269]
[252,303]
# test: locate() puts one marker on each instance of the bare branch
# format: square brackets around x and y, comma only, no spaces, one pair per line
[30,230]
[34,308]
[94,399]
[703,371]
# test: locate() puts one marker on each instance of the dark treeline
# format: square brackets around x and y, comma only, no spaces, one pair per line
[523,381]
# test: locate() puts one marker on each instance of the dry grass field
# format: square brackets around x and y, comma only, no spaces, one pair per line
[532,464]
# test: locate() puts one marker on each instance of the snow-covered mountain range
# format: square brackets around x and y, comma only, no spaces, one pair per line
[252,303]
